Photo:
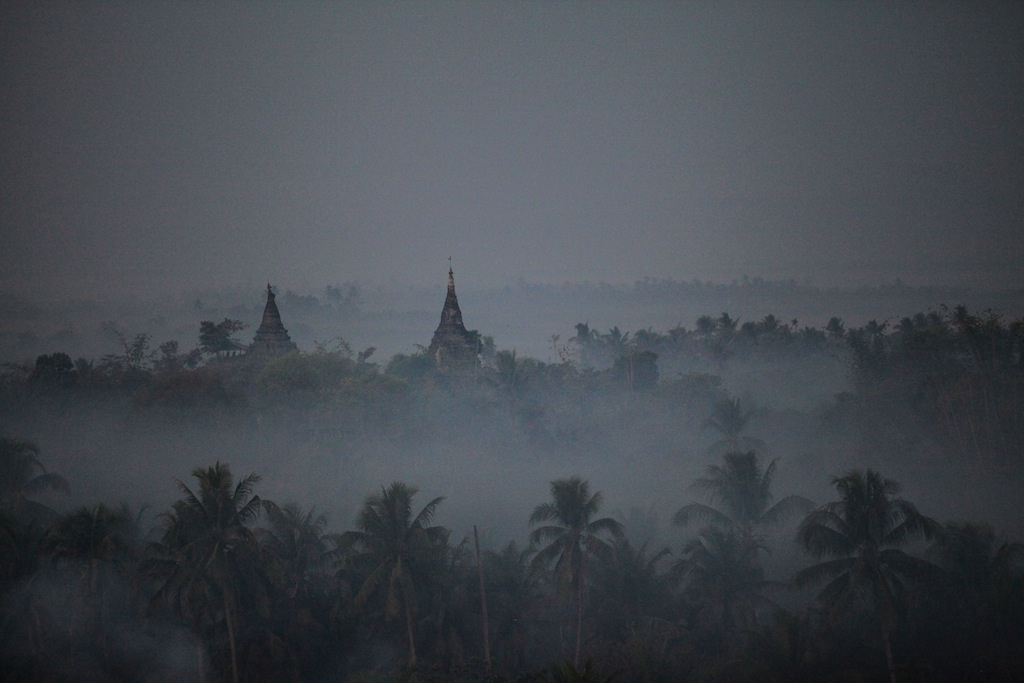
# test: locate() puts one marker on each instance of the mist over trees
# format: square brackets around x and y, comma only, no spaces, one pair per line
[744,497]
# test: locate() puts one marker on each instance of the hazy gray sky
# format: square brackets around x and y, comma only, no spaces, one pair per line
[157,146]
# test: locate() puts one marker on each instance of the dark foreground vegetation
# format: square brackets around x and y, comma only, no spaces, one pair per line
[212,577]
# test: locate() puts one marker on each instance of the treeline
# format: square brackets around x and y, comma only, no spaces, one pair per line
[938,387]
[231,586]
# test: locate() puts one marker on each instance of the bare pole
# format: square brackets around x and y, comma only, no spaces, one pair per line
[483,600]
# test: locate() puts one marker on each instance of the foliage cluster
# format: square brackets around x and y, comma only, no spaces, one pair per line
[232,586]
[243,588]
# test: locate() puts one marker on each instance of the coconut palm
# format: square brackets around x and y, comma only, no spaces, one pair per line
[983,598]
[99,544]
[397,545]
[573,537]
[860,534]
[23,475]
[729,419]
[509,376]
[633,598]
[722,578]
[299,547]
[208,557]
[511,591]
[743,492]
[21,553]
[95,534]
[298,551]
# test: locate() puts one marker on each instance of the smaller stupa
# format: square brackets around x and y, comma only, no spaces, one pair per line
[452,343]
[271,338]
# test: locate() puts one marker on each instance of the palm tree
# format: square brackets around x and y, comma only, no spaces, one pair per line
[102,542]
[397,545]
[21,550]
[983,598]
[511,590]
[23,475]
[861,534]
[509,376]
[633,599]
[209,555]
[299,547]
[723,577]
[729,419]
[95,534]
[298,552]
[571,539]
[743,491]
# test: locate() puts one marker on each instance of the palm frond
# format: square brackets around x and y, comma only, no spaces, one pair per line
[824,533]
[546,533]
[427,513]
[46,481]
[815,574]
[606,525]
[787,507]
[250,512]
[701,513]
[543,513]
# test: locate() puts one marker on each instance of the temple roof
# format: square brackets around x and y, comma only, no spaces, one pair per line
[271,337]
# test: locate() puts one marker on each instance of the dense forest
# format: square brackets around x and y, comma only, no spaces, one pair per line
[649,506]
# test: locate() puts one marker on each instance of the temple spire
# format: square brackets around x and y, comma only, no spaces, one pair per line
[452,342]
[271,338]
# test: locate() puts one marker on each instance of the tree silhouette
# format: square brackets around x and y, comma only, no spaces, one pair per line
[509,376]
[723,577]
[299,546]
[511,591]
[743,491]
[23,475]
[397,545]
[729,420]
[573,537]
[100,545]
[209,557]
[983,600]
[298,553]
[861,534]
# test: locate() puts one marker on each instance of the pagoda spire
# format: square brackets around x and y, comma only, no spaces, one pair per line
[271,338]
[451,340]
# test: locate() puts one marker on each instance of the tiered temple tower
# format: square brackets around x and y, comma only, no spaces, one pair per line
[452,343]
[271,338]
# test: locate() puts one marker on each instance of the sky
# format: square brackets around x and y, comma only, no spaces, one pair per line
[154,147]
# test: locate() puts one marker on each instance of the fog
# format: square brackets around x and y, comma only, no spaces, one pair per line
[333,423]
[468,450]
[685,237]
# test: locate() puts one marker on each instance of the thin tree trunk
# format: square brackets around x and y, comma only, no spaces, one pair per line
[888,651]
[483,601]
[199,660]
[408,632]
[579,621]
[231,639]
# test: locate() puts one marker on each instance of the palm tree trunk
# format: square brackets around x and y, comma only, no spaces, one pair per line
[887,645]
[483,601]
[199,660]
[408,632]
[231,639]
[579,621]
